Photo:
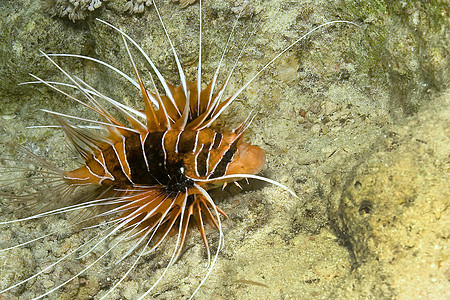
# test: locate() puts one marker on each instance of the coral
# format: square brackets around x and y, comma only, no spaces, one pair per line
[184,3]
[137,6]
[73,9]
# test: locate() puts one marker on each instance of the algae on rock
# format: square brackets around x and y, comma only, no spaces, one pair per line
[394,208]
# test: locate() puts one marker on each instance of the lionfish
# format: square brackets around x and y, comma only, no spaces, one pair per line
[154,172]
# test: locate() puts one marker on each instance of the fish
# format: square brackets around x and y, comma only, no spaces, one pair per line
[147,171]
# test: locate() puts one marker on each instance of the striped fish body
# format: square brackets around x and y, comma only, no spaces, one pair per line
[157,175]
[172,158]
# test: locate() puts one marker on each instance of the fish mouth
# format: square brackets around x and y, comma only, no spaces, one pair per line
[248,159]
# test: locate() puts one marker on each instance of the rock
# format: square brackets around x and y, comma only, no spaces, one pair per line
[393,212]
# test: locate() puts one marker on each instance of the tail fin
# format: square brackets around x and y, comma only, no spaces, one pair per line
[27,178]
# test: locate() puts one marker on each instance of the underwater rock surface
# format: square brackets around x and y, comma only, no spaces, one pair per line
[322,107]
[394,209]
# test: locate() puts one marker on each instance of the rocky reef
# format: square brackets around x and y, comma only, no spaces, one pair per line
[355,119]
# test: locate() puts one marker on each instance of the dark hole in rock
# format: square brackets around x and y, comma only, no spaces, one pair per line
[365,207]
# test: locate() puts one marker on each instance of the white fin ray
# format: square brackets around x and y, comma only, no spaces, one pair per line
[59,179]
[166,232]
[155,69]
[68,95]
[47,268]
[238,92]
[153,230]
[104,223]
[88,120]
[28,242]
[138,243]
[133,82]
[218,99]
[199,67]
[177,60]
[99,109]
[94,93]
[225,50]
[111,233]
[59,127]
[66,209]
[85,269]
[221,239]
[45,173]
[56,232]
[150,112]
[173,257]
[120,107]
[241,176]
[85,142]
